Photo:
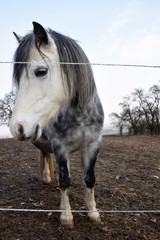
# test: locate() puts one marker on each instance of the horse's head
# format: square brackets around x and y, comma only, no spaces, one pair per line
[44,87]
[40,89]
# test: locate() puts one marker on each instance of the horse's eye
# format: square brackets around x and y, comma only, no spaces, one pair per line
[41,72]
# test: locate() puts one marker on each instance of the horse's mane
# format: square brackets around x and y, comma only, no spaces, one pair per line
[79,77]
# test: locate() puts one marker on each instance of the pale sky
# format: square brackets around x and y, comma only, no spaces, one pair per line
[117,31]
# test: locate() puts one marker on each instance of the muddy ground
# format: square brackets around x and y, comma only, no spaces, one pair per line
[128,178]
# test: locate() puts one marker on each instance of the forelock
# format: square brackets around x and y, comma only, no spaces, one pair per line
[21,57]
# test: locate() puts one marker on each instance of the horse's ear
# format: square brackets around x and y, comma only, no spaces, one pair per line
[40,33]
[18,37]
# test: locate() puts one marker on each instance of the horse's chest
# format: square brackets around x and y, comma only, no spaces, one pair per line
[73,130]
[70,134]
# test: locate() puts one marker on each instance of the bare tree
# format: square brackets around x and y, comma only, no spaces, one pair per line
[6,106]
[140,97]
[140,111]
[131,114]
[117,120]
[155,95]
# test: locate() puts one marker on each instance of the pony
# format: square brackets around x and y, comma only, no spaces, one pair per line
[58,108]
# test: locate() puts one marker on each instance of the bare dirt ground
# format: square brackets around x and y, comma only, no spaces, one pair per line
[128,178]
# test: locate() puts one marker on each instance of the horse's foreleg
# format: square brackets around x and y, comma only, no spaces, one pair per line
[91,205]
[66,217]
[47,166]
[89,159]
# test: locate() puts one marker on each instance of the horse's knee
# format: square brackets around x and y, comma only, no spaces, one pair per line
[62,162]
[89,157]
[64,178]
[90,178]
[89,168]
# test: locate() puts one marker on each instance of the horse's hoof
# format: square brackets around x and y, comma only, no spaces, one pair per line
[67,223]
[67,220]
[47,179]
[96,221]
[95,218]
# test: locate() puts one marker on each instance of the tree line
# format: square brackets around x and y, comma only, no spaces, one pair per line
[140,112]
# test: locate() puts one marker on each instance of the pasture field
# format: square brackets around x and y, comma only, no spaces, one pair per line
[127,178]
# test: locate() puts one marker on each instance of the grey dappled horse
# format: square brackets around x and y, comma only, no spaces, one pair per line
[58,108]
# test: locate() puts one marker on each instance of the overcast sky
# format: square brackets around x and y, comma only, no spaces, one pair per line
[117,31]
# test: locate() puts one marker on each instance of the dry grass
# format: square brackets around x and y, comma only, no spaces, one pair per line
[127,173]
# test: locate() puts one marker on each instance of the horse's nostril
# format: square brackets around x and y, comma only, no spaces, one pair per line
[20,129]
[20,132]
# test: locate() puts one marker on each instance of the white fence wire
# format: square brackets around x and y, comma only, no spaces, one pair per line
[76,211]
[93,64]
